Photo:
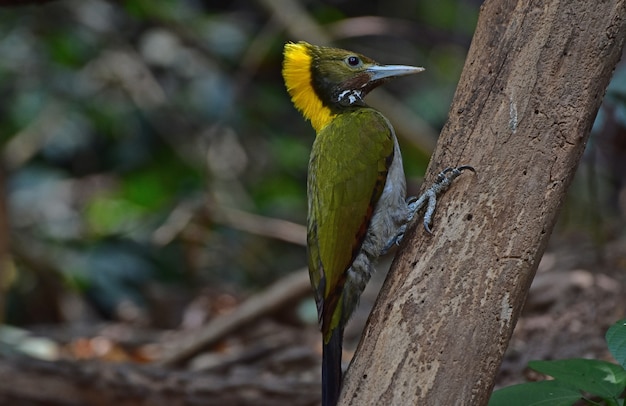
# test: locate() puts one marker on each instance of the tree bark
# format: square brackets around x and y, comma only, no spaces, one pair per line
[532,83]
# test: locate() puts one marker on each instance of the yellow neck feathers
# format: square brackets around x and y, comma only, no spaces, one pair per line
[297,75]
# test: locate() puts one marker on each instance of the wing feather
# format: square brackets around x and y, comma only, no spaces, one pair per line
[347,173]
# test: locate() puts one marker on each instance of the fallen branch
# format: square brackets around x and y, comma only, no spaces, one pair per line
[280,295]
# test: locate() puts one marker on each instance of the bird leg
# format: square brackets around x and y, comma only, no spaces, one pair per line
[428,199]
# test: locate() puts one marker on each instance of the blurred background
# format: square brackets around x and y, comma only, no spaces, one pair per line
[153,164]
[137,136]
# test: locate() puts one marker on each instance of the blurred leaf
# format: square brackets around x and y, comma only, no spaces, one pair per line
[326,14]
[292,153]
[147,188]
[616,340]
[594,376]
[276,194]
[67,48]
[107,215]
[163,9]
[449,15]
[544,393]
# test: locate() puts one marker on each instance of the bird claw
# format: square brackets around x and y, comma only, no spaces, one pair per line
[429,197]
[427,227]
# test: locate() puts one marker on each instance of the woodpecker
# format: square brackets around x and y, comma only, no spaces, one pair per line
[356,188]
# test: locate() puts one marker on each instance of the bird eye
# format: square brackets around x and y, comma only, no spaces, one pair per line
[353,61]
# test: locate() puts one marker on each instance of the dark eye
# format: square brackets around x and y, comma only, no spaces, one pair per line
[353,60]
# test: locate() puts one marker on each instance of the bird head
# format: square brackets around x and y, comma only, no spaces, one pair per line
[323,81]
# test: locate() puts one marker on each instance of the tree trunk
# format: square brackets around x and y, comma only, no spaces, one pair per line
[532,84]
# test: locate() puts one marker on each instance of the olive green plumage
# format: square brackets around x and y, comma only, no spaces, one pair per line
[347,173]
[356,186]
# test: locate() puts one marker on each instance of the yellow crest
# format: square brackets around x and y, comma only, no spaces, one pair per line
[298,80]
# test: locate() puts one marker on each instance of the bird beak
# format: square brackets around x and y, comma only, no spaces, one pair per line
[379,72]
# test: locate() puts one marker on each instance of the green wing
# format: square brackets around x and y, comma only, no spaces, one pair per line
[347,174]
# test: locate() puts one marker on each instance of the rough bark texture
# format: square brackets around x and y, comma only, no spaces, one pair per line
[532,83]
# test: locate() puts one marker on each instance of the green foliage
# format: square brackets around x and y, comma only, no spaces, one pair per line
[449,14]
[574,379]
[546,393]
[616,340]
[597,377]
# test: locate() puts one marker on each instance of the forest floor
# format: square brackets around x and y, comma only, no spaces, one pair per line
[268,356]
[577,294]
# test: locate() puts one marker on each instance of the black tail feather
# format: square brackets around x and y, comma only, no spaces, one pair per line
[331,369]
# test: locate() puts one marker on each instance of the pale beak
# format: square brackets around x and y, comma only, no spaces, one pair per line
[378,72]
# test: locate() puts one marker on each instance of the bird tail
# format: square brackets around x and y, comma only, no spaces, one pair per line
[331,368]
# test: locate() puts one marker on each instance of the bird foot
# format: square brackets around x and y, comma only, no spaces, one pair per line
[428,199]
